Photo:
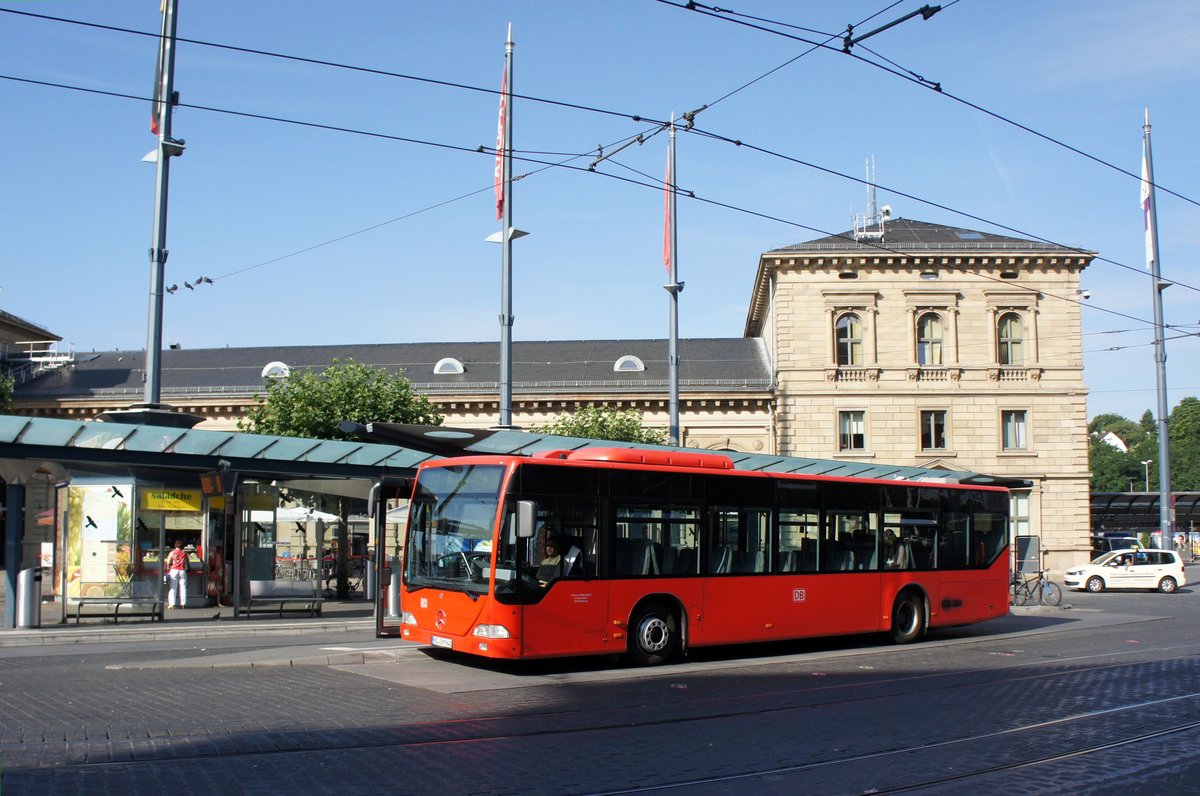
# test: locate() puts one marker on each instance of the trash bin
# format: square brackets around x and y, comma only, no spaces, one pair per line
[393,594]
[370,579]
[29,597]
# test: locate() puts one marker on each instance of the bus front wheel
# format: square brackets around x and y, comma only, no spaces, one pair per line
[908,618]
[655,634]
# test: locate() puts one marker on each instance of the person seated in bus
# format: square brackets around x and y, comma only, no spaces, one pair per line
[554,565]
[895,556]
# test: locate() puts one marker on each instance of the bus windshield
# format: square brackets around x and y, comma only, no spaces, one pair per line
[450,527]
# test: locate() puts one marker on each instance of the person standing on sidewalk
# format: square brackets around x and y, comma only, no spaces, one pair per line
[177,561]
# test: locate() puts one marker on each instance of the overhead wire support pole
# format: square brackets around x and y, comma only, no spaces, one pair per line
[164,100]
[925,12]
[506,316]
[1166,508]
[674,287]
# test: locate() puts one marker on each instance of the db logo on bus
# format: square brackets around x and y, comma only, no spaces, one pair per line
[799,595]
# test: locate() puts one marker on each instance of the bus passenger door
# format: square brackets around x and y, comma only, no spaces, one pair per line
[738,605]
[571,617]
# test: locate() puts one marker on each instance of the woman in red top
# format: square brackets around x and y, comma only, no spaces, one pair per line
[177,561]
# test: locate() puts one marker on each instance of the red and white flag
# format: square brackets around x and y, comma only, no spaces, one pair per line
[667,216]
[158,95]
[500,176]
[1147,208]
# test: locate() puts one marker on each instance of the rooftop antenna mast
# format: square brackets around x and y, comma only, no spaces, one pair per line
[870,225]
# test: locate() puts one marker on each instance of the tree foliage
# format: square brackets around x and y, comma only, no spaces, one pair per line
[603,422]
[310,404]
[1115,471]
[6,394]
[1183,430]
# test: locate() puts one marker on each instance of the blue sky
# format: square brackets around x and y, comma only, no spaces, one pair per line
[77,202]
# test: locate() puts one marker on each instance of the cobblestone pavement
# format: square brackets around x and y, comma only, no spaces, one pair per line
[1049,707]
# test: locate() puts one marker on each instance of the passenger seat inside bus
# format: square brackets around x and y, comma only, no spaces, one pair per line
[843,555]
[789,560]
[679,560]
[637,557]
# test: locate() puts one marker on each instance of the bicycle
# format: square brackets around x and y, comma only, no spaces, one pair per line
[1023,590]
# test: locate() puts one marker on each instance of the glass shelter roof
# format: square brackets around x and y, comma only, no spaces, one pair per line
[386,448]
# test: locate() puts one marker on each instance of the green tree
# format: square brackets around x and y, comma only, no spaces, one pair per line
[1184,433]
[6,394]
[1129,432]
[1112,468]
[1148,423]
[603,422]
[310,404]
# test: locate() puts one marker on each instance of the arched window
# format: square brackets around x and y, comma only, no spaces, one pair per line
[1011,337]
[628,363]
[276,370]
[448,366]
[849,336]
[929,339]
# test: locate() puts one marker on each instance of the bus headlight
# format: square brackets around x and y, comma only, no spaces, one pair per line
[406,618]
[491,631]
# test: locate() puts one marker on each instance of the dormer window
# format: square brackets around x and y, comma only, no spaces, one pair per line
[628,363]
[275,370]
[448,366]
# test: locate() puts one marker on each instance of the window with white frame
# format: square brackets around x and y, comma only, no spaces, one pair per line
[933,429]
[852,430]
[849,337]
[929,339]
[1013,429]
[1010,337]
[1018,513]
[628,363]
[448,366]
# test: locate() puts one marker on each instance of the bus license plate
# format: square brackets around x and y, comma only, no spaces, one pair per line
[438,641]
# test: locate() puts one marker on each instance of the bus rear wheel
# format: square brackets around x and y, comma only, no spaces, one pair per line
[654,637]
[908,618]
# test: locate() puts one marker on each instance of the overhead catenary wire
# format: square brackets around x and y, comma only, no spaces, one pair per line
[655,184]
[405,139]
[929,202]
[937,87]
[658,124]
[697,7]
[338,65]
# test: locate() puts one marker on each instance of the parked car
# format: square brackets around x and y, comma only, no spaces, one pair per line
[1102,544]
[1132,568]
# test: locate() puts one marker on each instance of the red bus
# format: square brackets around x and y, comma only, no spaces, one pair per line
[658,552]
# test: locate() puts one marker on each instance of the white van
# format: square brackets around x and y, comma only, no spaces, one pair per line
[1134,568]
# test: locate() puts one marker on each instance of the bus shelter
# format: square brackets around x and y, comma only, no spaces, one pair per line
[95,506]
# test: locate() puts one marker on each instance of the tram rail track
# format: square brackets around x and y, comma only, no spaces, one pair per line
[440,737]
[961,778]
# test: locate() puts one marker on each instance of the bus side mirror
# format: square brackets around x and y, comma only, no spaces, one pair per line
[526,515]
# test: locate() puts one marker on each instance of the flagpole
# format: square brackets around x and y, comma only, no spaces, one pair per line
[1166,508]
[674,288]
[506,317]
[164,90]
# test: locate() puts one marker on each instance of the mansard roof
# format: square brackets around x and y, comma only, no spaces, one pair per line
[907,235]
[729,365]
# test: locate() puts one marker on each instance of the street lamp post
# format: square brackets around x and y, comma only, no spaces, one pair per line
[1146,467]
